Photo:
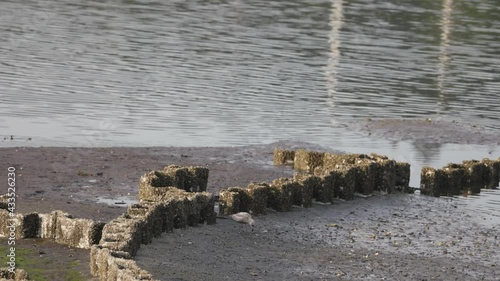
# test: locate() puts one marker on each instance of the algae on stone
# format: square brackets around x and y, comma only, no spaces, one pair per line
[283,157]
[280,194]
[259,194]
[306,161]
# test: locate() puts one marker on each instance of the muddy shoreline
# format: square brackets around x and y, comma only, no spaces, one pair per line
[381,237]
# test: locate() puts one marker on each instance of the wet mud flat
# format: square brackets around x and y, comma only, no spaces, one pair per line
[77,180]
[396,236]
[428,131]
[381,237]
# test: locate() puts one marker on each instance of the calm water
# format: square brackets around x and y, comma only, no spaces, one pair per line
[140,73]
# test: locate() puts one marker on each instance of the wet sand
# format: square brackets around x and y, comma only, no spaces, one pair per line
[383,237]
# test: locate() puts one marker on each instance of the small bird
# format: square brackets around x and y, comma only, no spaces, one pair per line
[243,217]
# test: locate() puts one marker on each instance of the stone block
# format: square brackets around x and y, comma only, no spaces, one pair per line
[153,186]
[478,175]
[229,202]
[206,202]
[79,233]
[259,193]
[326,184]
[283,157]
[494,167]
[4,223]
[456,180]
[307,184]
[385,174]
[152,215]
[403,172]
[123,234]
[179,176]
[433,182]
[4,200]
[346,181]
[280,194]
[198,179]
[244,198]
[168,215]
[306,161]
[47,225]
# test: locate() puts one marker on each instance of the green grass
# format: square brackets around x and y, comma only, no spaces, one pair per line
[41,269]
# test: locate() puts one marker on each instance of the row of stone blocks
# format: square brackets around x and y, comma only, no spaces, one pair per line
[191,179]
[454,179]
[58,225]
[371,172]
[352,173]
[162,208]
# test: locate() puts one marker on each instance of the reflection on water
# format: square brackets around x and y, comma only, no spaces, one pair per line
[141,73]
[235,72]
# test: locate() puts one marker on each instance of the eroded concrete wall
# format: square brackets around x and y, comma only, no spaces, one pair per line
[453,179]
[171,198]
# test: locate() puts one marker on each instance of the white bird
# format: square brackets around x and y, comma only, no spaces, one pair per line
[243,217]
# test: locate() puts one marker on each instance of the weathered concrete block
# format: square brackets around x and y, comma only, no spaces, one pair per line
[365,176]
[4,200]
[168,215]
[206,201]
[283,157]
[154,185]
[197,180]
[102,260]
[125,270]
[180,212]
[229,202]
[307,184]
[433,181]
[332,160]
[26,226]
[306,161]
[494,167]
[259,193]
[403,176]
[280,194]
[244,198]
[456,180]
[193,210]
[385,174]
[326,184]
[179,176]
[123,234]
[47,225]
[79,233]
[347,181]
[478,175]
[4,223]
[152,215]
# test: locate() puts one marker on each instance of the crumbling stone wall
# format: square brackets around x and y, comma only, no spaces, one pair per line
[453,179]
[327,176]
[155,184]
[58,225]
[172,198]
[373,172]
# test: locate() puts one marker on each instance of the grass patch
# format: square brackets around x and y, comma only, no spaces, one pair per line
[42,268]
